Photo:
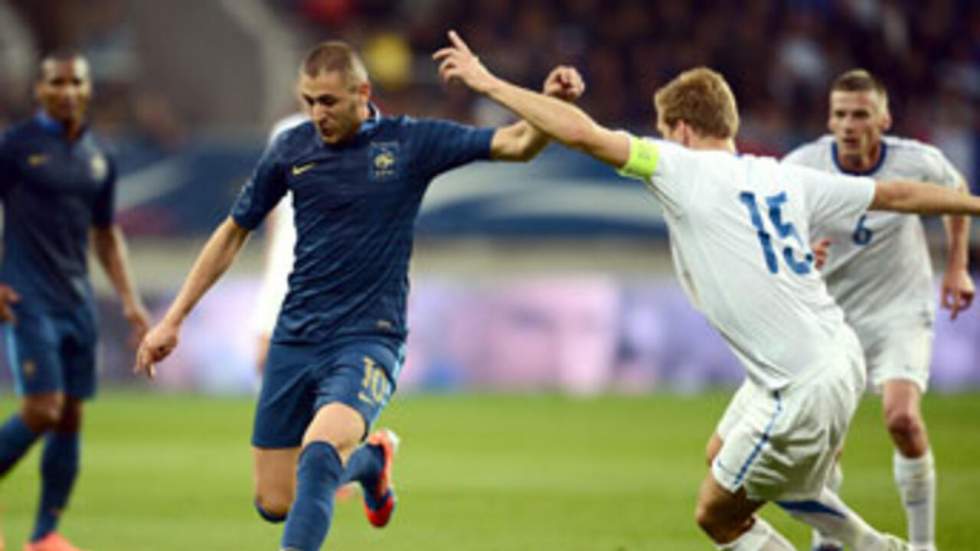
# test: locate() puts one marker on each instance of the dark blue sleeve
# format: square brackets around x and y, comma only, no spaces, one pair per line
[104,209]
[443,145]
[263,190]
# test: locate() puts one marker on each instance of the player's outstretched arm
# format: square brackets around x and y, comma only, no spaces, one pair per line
[110,249]
[521,141]
[214,260]
[562,121]
[922,198]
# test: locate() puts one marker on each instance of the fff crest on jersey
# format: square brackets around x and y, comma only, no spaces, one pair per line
[99,167]
[383,159]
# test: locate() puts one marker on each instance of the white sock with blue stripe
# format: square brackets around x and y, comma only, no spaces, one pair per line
[834,482]
[831,517]
[761,537]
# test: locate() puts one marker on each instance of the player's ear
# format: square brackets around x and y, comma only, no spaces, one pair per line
[364,91]
[886,121]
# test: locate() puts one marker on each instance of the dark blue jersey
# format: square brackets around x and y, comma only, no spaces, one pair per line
[355,206]
[53,192]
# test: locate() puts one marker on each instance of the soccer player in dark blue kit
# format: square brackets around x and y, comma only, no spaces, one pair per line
[357,178]
[57,186]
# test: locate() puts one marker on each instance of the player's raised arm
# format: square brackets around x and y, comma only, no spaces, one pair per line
[214,260]
[562,121]
[922,198]
[522,141]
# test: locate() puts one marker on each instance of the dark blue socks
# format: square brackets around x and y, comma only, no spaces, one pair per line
[365,465]
[15,439]
[59,467]
[318,476]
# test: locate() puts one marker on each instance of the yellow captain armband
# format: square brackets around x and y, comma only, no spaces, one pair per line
[642,163]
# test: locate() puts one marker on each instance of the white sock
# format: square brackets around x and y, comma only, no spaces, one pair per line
[916,480]
[830,516]
[761,537]
[834,481]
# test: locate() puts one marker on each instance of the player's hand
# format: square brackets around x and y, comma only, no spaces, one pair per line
[156,345]
[7,297]
[457,62]
[565,83]
[957,292]
[821,249]
[139,321]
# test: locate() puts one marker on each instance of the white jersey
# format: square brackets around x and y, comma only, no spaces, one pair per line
[878,268]
[740,233]
[279,249]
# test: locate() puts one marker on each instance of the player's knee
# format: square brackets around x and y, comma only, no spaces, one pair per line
[903,423]
[42,414]
[718,526]
[272,507]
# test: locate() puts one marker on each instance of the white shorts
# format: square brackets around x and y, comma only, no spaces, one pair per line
[898,350]
[781,445]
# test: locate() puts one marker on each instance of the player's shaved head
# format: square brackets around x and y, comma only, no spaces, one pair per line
[860,80]
[335,56]
[702,99]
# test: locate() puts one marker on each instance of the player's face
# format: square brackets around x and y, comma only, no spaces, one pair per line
[65,90]
[857,121]
[335,105]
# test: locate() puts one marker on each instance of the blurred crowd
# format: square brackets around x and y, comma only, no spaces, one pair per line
[780,56]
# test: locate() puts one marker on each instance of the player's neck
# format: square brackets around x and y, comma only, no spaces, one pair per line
[863,162]
[712,144]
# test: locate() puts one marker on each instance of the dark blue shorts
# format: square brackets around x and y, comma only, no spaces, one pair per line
[52,352]
[300,379]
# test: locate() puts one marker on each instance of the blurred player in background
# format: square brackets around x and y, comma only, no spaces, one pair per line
[357,179]
[280,240]
[879,271]
[739,230]
[57,187]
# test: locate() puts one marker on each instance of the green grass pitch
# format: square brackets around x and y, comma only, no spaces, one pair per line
[474,473]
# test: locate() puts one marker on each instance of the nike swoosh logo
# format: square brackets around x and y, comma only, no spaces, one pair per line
[297,170]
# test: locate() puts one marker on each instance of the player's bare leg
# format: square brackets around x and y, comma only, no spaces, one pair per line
[730,521]
[914,468]
[275,481]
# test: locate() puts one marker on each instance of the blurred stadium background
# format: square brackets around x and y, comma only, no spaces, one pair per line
[550,278]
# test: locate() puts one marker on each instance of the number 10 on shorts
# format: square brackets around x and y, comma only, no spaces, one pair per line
[374,386]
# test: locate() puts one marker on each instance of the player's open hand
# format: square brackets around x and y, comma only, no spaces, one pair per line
[957,293]
[156,345]
[457,62]
[7,297]
[565,83]
[821,249]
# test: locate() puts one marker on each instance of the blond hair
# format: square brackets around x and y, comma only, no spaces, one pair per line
[702,99]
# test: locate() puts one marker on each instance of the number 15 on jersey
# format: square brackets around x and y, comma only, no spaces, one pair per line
[783,229]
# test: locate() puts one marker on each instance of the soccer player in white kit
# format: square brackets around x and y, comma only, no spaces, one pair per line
[879,272]
[280,240]
[740,234]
